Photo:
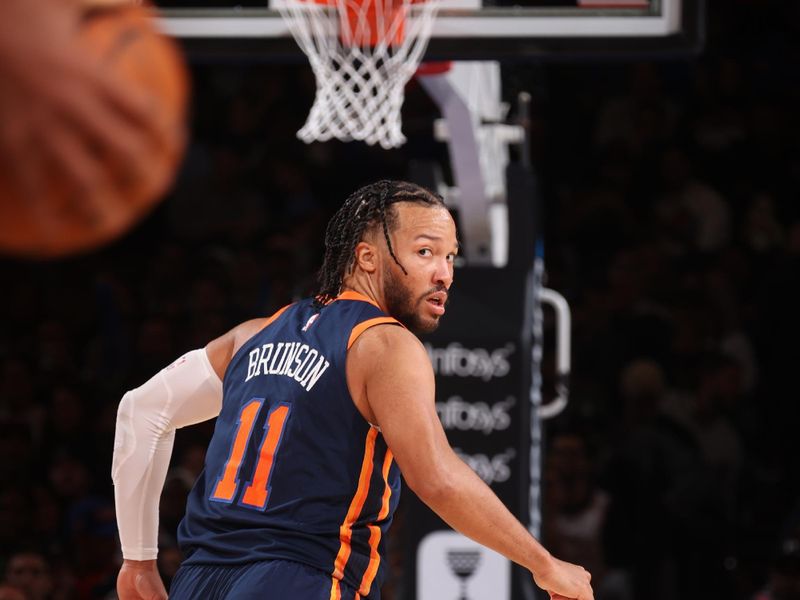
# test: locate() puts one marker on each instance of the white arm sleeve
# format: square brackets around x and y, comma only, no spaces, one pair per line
[186,392]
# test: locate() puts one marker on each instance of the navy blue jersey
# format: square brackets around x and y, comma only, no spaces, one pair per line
[293,470]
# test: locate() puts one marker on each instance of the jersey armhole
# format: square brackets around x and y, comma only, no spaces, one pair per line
[266,324]
[271,319]
[364,325]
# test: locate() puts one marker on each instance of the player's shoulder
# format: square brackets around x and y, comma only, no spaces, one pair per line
[222,349]
[376,343]
[246,330]
[391,355]
[243,332]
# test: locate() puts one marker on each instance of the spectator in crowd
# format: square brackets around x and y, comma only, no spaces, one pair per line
[575,511]
[29,571]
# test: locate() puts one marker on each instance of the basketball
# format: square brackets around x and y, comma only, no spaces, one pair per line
[125,37]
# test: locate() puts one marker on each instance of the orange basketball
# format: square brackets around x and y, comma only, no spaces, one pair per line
[126,39]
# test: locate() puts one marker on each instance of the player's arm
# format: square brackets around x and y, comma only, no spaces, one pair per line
[399,386]
[186,392]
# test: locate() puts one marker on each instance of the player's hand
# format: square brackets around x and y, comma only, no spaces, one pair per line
[565,581]
[62,110]
[139,580]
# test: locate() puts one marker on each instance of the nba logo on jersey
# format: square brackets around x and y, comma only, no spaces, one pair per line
[310,322]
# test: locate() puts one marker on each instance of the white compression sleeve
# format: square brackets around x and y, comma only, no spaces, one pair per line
[186,392]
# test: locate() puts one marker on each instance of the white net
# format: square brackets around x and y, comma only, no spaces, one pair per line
[362,54]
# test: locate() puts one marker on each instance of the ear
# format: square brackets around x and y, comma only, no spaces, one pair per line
[366,257]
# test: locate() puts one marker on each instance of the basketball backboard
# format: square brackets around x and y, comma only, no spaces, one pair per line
[464,29]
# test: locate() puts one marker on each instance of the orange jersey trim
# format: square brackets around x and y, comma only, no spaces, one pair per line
[363,326]
[375,531]
[274,317]
[353,295]
[356,506]
[336,591]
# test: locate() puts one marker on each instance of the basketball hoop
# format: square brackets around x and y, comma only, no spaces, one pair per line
[362,53]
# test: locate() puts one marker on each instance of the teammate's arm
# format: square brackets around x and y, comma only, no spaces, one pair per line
[186,392]
[398,383]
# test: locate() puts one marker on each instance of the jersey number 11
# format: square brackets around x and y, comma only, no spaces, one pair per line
[257,491]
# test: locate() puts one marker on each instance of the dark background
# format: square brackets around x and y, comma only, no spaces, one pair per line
[672,224]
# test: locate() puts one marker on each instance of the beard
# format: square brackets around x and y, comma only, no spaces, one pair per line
[402,305]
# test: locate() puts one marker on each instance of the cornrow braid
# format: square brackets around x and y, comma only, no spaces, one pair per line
[365,208]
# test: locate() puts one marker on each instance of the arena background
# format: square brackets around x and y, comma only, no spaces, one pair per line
[672,225]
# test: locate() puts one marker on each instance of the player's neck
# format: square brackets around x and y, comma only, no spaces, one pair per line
[366,285]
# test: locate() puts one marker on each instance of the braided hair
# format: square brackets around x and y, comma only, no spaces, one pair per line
[365,208]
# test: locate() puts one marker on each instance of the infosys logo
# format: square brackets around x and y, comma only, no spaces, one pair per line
[455,360]
[456,414]
[491,468]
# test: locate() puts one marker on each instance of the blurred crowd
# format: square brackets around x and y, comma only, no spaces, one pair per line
[671,193]
[674,230]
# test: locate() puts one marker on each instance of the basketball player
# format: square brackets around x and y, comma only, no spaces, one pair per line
[320,407]
[59,109]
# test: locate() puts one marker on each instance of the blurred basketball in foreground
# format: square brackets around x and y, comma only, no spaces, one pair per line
[61,218]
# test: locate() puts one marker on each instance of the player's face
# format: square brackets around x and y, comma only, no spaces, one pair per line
[424,241]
